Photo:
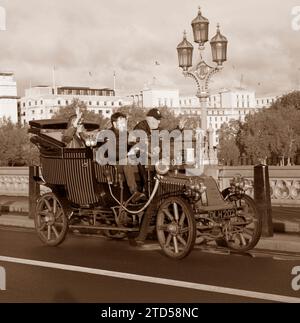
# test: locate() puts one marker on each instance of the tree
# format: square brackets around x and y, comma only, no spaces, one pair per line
[291,100]
[229,148]
[16,148]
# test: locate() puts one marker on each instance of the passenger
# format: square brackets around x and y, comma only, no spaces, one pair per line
[74,134]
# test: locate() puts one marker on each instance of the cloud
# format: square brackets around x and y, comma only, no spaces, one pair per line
[128,36]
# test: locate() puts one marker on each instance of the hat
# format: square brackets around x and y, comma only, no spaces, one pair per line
[155,113]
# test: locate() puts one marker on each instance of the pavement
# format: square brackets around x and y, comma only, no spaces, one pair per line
[286,223]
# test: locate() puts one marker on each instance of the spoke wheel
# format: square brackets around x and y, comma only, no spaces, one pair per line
[176,227]
[244,230]
[51,220]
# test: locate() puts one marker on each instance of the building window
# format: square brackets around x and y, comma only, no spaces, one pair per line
[29,103]
[90,103]
[58,102]
[36,103]
[32,112]
[42,112]
[107,111]
[112,104]
[97,102]
[105,103]
[120,103]
[51,111]
[100,112]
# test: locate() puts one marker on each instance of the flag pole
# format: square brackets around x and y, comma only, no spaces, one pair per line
[115,82]
[53,80]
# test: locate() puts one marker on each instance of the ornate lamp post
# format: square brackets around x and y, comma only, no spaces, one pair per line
[202,72]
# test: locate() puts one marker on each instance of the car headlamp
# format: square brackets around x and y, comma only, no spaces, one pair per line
[162,167]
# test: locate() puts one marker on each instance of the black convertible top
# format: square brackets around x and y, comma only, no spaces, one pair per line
[60,124]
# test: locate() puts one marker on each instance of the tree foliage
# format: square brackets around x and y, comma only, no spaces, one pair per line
[269,133]
[229,147]
[16,148]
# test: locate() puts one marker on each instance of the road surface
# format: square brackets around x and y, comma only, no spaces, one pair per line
[99,270]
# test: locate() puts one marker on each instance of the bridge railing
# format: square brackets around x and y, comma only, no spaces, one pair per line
[284,181]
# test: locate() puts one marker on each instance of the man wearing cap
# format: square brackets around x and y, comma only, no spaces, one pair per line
[152,122]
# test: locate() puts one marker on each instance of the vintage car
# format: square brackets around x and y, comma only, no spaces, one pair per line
[179,208]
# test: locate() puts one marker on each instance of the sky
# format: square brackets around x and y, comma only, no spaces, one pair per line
[86,41]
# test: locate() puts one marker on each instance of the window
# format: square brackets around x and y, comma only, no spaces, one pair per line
[105,103]
[58,102]
[42,111]
[24,104]
[41,102]
[90,103]
[67,102]
[112,104]
[32,112]
[36,103]
[97,102]
[107,111]
[51,111]
[29,103]
[120,103]
[100,112]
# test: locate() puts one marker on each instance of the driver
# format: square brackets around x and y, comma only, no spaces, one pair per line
[119,124]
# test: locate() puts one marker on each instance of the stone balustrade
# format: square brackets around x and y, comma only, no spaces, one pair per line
[284,181]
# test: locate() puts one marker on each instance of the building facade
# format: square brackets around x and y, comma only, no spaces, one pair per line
[8,96]
[223,106]
[42,102]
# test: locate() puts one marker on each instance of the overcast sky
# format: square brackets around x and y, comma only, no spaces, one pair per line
[87,40]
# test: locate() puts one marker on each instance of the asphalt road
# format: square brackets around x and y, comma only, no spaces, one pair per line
[98,270]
